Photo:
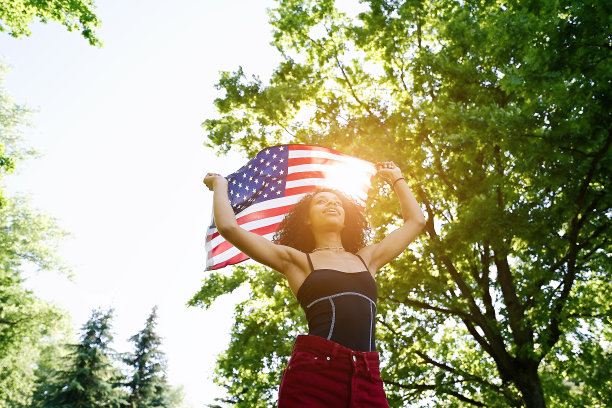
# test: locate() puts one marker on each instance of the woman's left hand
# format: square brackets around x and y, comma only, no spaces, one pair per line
[389,171]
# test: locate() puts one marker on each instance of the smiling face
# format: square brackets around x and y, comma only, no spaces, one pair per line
[326,212]
[309,216]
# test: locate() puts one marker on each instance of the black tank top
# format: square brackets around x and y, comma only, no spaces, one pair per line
[341,306]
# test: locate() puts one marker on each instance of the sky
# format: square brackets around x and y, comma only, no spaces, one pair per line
[122,161]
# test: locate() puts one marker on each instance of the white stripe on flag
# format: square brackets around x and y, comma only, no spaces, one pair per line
[305,182]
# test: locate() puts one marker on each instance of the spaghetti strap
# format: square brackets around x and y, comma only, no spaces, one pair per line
[361,259]
[310,262]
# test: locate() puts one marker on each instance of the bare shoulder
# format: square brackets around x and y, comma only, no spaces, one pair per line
[295,260]
[296,268]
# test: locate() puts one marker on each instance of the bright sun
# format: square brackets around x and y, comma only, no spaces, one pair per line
[352,177]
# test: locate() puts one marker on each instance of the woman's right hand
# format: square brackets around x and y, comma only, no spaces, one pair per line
[389,171]
[211,178]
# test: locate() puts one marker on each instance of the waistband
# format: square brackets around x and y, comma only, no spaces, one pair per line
[316,344]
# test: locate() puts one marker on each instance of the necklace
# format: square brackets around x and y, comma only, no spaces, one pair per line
[328,247]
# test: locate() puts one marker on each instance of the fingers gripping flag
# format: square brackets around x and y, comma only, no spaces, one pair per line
[271,183]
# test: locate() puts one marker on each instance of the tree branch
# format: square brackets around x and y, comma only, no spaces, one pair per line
[595,316]
[497,348]
[348,81]
[423,305]
[519,324]
[521,327]
[432,387]
[589,254]
[554,332]
[415,387]
[561,261]
[485,261]
[354,94]
[12,322]
[483,279]
[392,330]
[440,173]
[467,376]
[481,340]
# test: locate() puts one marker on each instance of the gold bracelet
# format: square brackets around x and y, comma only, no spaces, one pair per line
[393,185]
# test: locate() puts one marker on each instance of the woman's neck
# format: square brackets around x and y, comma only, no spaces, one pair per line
[328,240]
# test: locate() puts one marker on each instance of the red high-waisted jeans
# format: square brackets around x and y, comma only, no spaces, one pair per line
[325,374]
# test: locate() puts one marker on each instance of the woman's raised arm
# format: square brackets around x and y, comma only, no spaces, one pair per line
[395,243]
[279,257]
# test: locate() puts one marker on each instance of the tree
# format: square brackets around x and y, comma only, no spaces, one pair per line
[51,360]
[499,112]
[27,325]
[28,239]
[17,15]
[13,118]
[90,378]
[147,385]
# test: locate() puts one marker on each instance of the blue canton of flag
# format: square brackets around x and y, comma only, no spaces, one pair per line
[262,178]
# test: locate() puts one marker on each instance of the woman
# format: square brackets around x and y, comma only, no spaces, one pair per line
[336,364]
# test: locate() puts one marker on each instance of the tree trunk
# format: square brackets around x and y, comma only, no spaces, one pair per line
[531,389]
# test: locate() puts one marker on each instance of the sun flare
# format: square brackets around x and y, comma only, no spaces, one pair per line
[352,178]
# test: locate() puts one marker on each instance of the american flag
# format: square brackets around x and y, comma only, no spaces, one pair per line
[270,184]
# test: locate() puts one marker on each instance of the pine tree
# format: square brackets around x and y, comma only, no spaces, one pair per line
[91,379]
[148,386]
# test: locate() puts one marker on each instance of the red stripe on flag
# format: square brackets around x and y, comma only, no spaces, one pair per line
[314,160]
[299,190]
[258,215]
[225,245]
[305,175]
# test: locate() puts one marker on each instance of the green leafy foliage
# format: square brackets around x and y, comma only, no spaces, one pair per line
[51,360]
[17,15]
[499,114]
[29,327]
[13,118]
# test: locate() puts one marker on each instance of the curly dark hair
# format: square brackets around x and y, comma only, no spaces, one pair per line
[294,232]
